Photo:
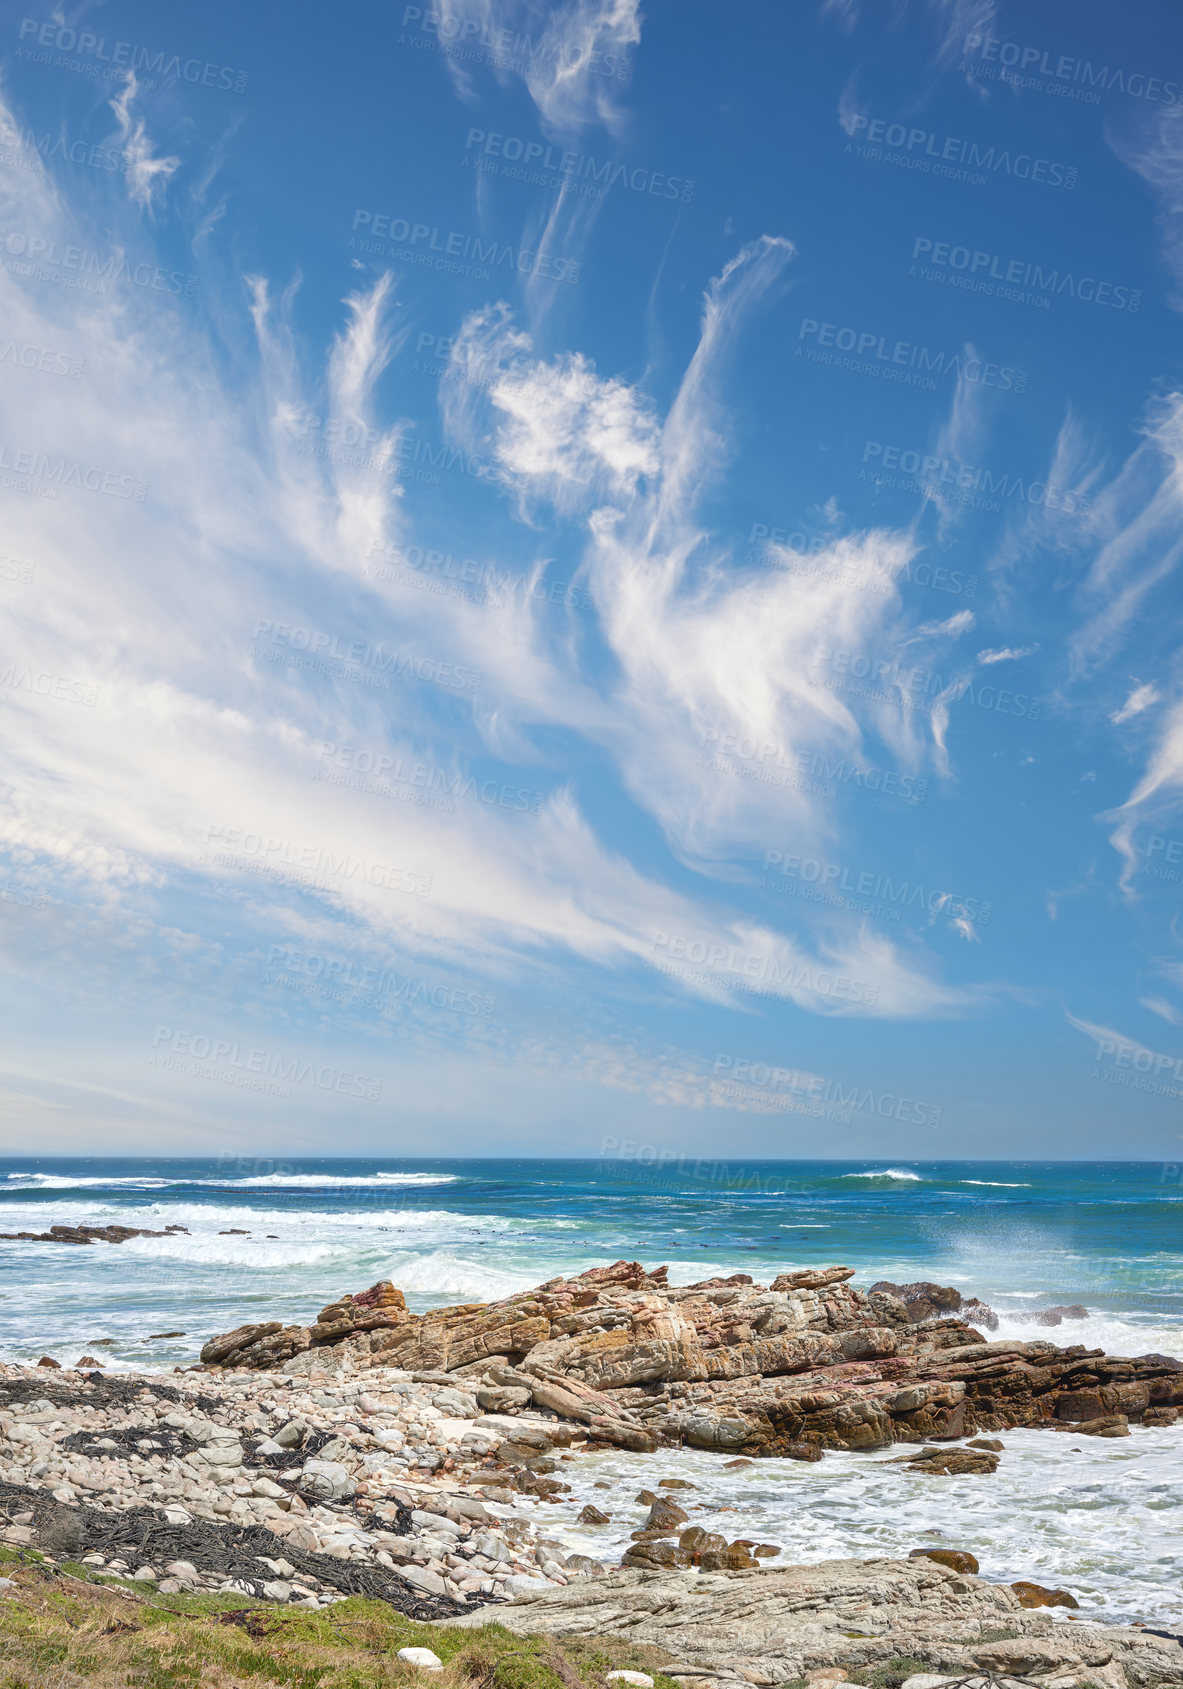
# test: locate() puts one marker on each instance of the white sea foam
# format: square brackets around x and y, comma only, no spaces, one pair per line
[334,1181]
[1093,1516]
[997,1184]
[889,1173]
[69,1181]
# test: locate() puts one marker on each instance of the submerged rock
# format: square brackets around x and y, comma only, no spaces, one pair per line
[89,1234]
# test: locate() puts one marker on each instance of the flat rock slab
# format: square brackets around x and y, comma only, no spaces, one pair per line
[774,1626]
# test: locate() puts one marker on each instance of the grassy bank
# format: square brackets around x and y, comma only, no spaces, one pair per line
[61,1628]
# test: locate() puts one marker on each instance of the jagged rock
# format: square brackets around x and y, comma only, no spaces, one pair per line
[665,1514]
[733,1558]
[956,1559]
[950,1462]
[977,1313]
[89,1234]
[1105,1425]
[655,1555]
[592,1516]
[809,1364]
[1035,1595]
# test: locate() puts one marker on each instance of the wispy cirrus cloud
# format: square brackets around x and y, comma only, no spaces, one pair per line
[573,55]
[148,174]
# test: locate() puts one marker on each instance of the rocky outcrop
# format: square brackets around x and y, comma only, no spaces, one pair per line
[925,1301]
[773,1626]
[89,1234]
[809,1363]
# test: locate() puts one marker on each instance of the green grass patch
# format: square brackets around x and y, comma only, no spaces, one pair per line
[81,1632]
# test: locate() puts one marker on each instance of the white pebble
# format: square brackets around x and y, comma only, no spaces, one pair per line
[424,1658]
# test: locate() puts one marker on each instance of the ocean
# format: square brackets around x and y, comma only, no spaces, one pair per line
[278,1240]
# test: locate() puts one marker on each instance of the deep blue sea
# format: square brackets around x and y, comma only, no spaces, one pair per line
[277,1240]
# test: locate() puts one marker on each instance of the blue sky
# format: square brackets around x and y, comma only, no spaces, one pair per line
[587,570]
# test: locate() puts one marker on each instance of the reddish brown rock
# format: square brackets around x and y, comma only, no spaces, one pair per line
[957,1559]
[89,1234]
[1035,1595]
[808,1364]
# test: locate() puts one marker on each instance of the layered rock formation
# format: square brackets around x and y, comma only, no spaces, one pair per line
[774,1626]
[805,1364]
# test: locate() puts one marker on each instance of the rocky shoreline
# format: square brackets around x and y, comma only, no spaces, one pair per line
[414,1459]
[791,1369]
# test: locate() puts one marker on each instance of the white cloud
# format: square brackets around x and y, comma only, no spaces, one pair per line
[262,520]
[1006,654]
[1157,793]
[1132,1051]
[1139,700]
[1156,154]
[576,52]
[147,176]
[1165,1011]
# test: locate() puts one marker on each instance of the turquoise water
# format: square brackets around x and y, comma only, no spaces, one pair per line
[1018,1234]
[266,1241]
